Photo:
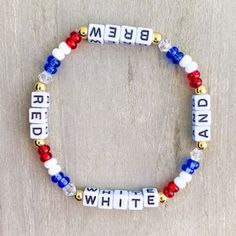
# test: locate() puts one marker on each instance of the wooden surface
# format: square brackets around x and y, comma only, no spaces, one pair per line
[120,117]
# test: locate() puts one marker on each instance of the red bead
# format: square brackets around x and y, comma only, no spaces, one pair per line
[195,83]
[71,43]
[46,156]
[76,37]
[43,149]
[168,193]
[173,187]
[195,74]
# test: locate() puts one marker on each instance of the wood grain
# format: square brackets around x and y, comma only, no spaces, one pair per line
[120,117]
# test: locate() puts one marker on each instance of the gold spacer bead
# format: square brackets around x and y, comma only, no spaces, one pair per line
[79,195]
[156,37]
[39,142]
[163,197]
[202,145]
[83,32]
[201,90]
[40,87]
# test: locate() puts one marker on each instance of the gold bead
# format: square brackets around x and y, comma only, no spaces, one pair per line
[202,145]
[156,37]
[83,32]
[40,87]
[163,197]
[79,195]
[39,142]
[201,90]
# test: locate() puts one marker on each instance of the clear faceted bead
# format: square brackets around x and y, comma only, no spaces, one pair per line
[70,190]
[164,45]
[196,154]
[45,77]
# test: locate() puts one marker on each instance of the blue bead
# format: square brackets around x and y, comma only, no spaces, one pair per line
[57,177]
[63,182]
[50,69]
[177,57]
[192,164]
[171,53]
[53,61]
[187,169]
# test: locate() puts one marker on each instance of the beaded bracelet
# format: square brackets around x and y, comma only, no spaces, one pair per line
[120,199]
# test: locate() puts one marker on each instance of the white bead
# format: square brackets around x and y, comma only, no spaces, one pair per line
[96,33]
[38,115]
[105,199]
[144,36]
[64,48]
[185,61]
[185,176]
[180,182]
[150,197]
[90,197]
[40,99]
[58,54]
[39,131]
[50,163]
[135,200]
[128,35]
[54,170]
[201,102]
[120,199]
[191,67]
[45,77]
[196,154]
[201,118]
[112,34]
[201,133]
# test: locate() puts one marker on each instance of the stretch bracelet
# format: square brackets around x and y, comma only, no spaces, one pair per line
[120,199]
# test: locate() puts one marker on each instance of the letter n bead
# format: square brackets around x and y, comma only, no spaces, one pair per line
[90,198]
[150,197]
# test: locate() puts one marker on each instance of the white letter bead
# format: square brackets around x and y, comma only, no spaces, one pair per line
[96,33]
[112,34]
[201,133]
[58,54]
[120,199]
[90,197]
[150,197]
[105,199]
[185,61]
[39,131]
[54,170]
[128,35]
[201,118]
[64,48]
[40,99]
[135,200]
[185,176]
[38,115]
[201,102]
[180,182]
[191,67]
[50,163]
[144,36]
